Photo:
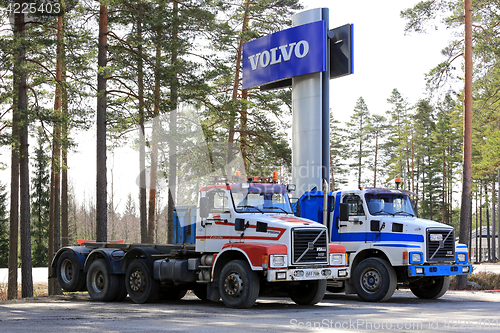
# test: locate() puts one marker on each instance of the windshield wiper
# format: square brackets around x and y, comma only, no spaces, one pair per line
[276,208]
[403,212]
[251,207]
[382,211]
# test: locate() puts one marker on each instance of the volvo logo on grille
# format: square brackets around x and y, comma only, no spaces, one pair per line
[310,245]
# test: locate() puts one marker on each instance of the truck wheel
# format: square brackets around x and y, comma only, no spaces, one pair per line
[308,292]
[238,284]
[122,289]
[431,287]
[375,280]
[141,287]
[69,276]
[101,285]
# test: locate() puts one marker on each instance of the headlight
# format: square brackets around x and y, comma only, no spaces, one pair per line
[337,259]
[416,257]
[277,260]
[461,257]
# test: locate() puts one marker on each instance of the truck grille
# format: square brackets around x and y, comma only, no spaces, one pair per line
[440,245]
[309,246]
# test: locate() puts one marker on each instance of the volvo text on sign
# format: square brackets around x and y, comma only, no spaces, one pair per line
[284,54]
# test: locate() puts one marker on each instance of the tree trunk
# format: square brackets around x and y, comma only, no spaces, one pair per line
[480,222]
[375,160]
[497,253]
[143,214]
[443,188]
[477,234]
[154,148]
[466,205]
[64,137]
[101,199]
[493,222]
[14,184]
[55,186]
[172,154]
[24,177]
[236,85]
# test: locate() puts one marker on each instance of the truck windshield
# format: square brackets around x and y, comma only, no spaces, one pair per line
[261,198]
[389,204]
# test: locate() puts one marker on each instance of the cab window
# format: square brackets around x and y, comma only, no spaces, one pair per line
[354,205]
[218,202]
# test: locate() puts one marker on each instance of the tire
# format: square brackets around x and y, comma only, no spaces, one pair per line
[69,276]
[102,286]
[238,285]
[375,280]
[308,292]
[141,287]
[431,288]
[122,289]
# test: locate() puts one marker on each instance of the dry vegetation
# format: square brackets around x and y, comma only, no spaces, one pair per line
[485,280]
[39,289]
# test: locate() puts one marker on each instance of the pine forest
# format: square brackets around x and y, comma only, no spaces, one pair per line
[163,77]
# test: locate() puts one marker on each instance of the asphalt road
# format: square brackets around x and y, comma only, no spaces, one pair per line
[40,273]
[454,312]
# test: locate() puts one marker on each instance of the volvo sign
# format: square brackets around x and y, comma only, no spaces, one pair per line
[296,51]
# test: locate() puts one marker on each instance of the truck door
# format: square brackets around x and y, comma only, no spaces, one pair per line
[217,227]
[353,231]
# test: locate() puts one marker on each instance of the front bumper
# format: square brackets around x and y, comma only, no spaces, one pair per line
[439,270]
[304,274]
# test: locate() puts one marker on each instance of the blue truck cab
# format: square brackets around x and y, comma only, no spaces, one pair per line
[386,243]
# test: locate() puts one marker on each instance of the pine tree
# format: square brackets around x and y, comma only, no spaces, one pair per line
[357,129]
[398,145]
[376,134]
[40,197]
[338,155]
[428,164]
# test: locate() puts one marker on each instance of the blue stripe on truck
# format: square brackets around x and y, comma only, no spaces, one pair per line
[377,237]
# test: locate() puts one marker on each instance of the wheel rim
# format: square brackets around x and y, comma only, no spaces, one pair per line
[136,281]
[371,280]
[98,281]
[66,271]
[233,285]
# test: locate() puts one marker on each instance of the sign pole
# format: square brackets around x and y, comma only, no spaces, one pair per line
[310,118]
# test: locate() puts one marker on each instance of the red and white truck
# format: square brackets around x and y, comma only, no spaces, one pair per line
[248,242]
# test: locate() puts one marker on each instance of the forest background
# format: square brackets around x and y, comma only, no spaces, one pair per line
[179,62]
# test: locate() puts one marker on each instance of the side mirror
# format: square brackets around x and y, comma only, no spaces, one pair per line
[239,224]
[343,212]
[203,207]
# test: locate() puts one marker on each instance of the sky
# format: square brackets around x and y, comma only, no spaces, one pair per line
[384,58]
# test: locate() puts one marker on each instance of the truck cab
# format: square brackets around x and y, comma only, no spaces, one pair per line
[387,244]
[254,220]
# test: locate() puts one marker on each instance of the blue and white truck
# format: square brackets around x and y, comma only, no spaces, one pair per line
[386,243]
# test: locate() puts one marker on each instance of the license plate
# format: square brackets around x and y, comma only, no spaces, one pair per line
[309,274]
